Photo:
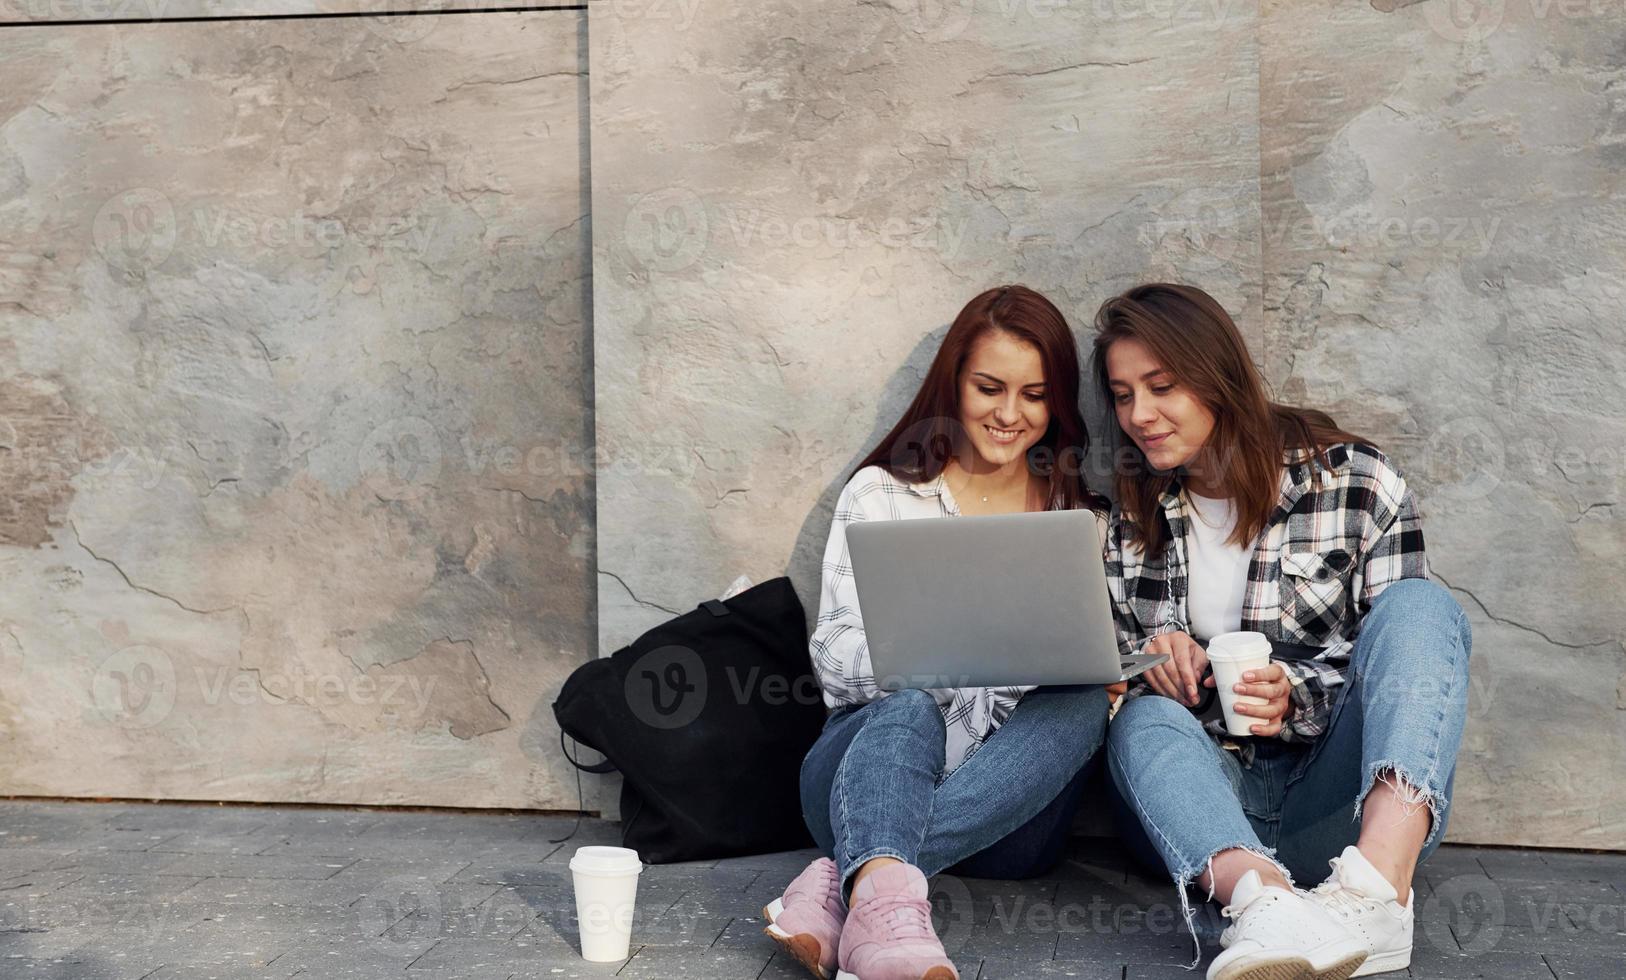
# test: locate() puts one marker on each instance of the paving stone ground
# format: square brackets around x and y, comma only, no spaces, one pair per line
[122,891]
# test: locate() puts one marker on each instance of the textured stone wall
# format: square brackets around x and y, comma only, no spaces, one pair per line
[1415,212]
[293,406]
[298,501]
[790,206]
[1444,193]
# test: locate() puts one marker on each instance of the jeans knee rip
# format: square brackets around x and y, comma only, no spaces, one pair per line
[1407,790]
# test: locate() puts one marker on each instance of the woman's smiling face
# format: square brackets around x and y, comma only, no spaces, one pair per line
[1002,398]
[1162,416]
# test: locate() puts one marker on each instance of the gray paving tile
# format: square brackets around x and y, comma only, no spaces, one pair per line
[1159,946]
[1549,866]
[89,929]
[457,827]
[1587,966]
[107,912]
[24,858]
[516,872]
[392,874]
[788,863]
[743,932]
[554,964]
[493,956]
[1436,965]
[235,892]
[274,891]
[35,883]
[349,955]
[653,963]
[204,842]
[1137,971]
[121,967]
[249,866]
[1005,903]
[95,884]
[987,942]
[999,969]
[221,966]
[318,819]
[1454,859]
[498,924]
[686,924]
[121,862]
[397,848]
[783,967]
[216,945]
[1520,915]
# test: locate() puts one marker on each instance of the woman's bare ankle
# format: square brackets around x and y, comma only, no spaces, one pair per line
[1230,865]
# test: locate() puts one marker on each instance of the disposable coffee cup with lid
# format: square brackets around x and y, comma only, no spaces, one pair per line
[1231,655]
[606,883]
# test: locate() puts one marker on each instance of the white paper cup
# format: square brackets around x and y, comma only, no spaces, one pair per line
[606,882]
[1230,654]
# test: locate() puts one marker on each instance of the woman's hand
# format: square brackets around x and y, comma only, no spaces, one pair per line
[1179,676]
[1116,691]
[1272,684]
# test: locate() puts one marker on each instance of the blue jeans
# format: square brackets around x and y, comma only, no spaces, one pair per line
[872,785]
[1401,713]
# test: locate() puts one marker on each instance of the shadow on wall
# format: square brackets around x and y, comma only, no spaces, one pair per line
[807,554]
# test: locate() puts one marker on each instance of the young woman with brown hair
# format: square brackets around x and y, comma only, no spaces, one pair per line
[1237,513]
[903,785]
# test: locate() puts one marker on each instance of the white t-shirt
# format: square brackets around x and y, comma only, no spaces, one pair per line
[1218,570]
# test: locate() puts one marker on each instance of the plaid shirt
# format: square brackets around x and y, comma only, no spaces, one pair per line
[1326,553]
[839,650]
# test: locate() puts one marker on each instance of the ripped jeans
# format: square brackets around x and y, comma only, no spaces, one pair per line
[1401,713]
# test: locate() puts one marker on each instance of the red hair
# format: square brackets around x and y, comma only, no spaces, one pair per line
[921,444]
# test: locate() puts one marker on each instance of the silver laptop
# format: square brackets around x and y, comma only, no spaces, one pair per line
[995,601]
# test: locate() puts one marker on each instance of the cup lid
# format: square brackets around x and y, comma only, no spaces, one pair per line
[1243,643]
[599,859]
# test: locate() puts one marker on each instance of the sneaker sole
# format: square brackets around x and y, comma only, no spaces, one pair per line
[801,947]
[1291,968]
[1384,963]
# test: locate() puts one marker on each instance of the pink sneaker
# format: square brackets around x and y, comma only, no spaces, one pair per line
[888,934]
[807,919]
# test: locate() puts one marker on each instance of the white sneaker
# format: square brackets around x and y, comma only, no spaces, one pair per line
[1358,896]
[1281,935]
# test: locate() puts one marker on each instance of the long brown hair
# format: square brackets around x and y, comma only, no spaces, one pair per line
[921,444]
[1192,337]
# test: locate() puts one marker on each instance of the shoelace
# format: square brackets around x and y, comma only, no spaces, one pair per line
[1339,900]
[826,885]
[1234,912]
[903,917]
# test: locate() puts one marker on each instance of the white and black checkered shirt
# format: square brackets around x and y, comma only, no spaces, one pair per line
[1327,552]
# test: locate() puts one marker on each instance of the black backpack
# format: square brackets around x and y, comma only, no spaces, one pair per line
[707,717]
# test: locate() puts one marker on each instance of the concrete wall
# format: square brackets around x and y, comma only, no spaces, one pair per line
[1415,213]
[295,395]
[299,401]
[1444,192]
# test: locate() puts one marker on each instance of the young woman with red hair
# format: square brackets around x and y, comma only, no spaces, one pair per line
[983,781]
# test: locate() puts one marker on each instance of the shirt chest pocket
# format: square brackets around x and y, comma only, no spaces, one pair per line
[1315,592]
